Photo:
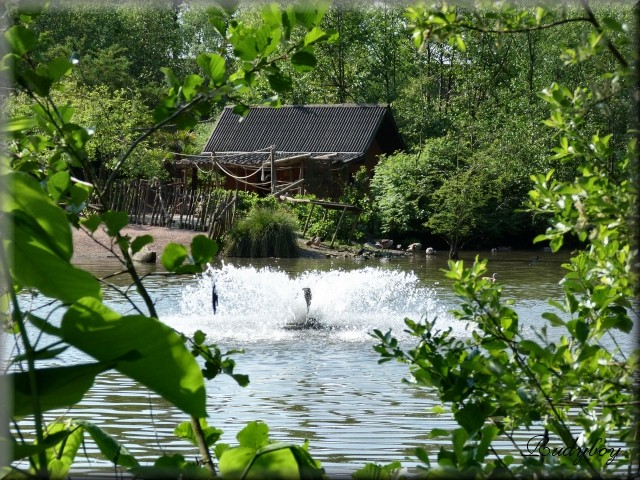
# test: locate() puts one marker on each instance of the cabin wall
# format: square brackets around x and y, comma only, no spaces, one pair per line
[319,178]
[372,157]
[322,178]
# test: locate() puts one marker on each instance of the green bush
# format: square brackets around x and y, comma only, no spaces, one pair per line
[264,232]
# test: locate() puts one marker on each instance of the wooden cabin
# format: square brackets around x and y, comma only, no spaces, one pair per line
[313,149]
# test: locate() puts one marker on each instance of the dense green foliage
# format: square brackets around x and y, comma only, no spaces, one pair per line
[480,132]
[571,385]
[263,232]
[51,185]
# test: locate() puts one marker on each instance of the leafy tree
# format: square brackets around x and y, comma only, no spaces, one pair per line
[403,185]
[141,37]
[457,206]
[577,386]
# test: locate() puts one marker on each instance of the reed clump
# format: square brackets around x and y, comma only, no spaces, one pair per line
[264,232]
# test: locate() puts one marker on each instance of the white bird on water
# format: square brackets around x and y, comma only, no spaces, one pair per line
[492,278]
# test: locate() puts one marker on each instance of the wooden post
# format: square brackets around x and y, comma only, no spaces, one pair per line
[306,224]
[338,227]
[214,169]
[272,159]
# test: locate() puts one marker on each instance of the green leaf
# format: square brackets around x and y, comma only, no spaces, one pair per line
[39,84]
[458,438]
[240,109]
[214,66]
[33,261]
[203,249]
[139,243]
[530,347]
[115,221]
[170,77]
[190,87]
[275,460]
[109,446]
[220,448]
[170,466]
[58,387]
[310,14]
[92,222]
[308,468]
[613,24]
[58,184]
[20,39]
[233,461]
[288,21]
[61,458]
[554,319]
[199,337]
[58,67]
[163,362]
[188,268]
[378,472]
[24,193]
[216,18]
[185,121]
[79,193]
[303,61]
[488,434]
[280,83]
[18,124]
[246,49]
[438,432]
[43,354]
[582,330]
[314,35]
[470,417]
[173,256]
[255,435]
[423,456]
[211,434]
[241,380]
[21,450]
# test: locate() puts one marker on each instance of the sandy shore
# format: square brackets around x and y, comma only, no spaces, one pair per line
[86,246]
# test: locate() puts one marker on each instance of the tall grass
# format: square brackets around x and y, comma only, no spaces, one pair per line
[264,232]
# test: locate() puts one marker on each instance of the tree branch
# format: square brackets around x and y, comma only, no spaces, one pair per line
[474,28]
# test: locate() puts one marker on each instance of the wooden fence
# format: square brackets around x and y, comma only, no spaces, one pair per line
[175,205]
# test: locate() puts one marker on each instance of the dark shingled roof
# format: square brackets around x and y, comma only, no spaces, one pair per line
[344,130]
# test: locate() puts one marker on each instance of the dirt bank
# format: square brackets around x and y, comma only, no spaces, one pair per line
[86,246]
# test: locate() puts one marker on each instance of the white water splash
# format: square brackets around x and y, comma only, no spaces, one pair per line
[257,304]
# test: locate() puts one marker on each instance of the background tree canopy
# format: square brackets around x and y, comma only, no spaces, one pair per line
[472,118]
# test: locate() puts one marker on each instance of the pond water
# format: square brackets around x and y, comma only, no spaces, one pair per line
[324,385]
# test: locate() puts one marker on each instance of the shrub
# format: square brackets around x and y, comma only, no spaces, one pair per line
[264,232]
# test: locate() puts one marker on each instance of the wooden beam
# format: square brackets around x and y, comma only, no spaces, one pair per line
[294,158]
[322,203]
[295,184]
[306,224]
[337,227]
